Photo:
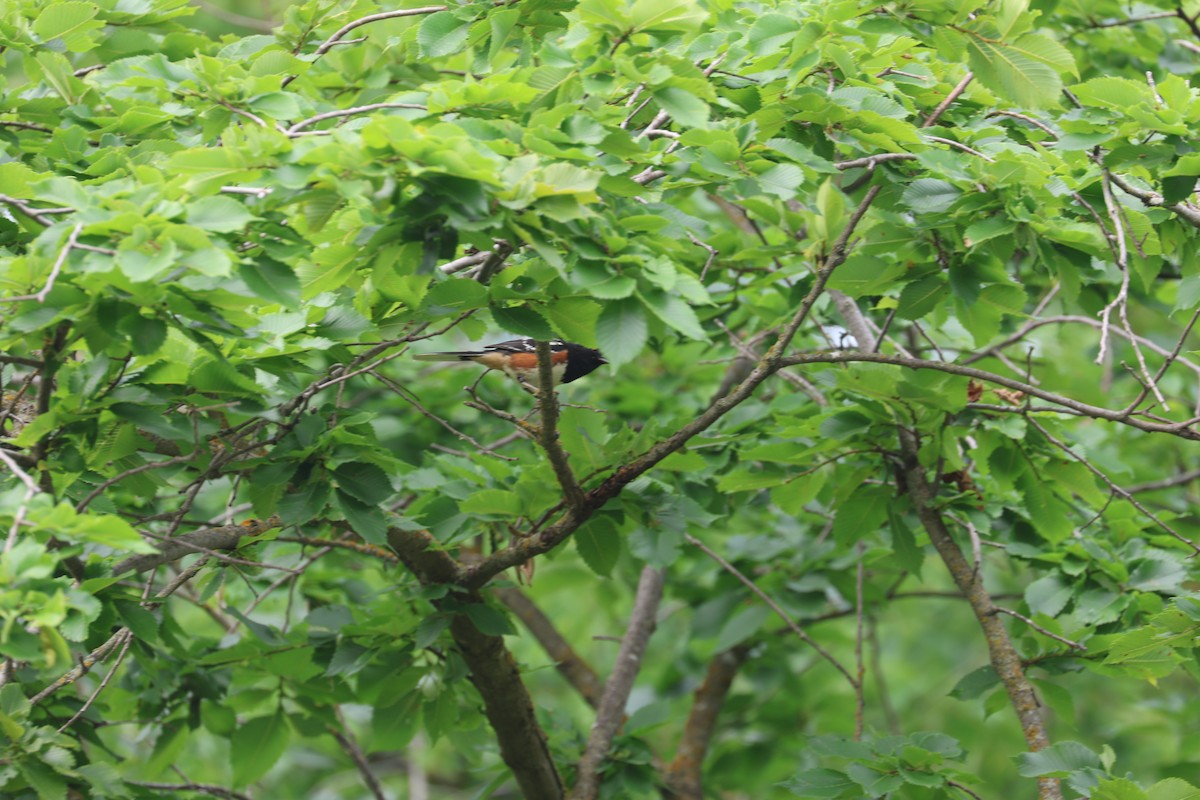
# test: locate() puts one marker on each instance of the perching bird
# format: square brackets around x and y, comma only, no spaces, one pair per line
[518,358]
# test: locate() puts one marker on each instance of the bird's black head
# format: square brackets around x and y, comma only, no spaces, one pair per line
[580,361]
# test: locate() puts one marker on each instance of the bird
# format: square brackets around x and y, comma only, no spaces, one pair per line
[518,359]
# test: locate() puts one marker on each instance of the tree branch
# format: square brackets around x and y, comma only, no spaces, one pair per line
[1004,656]
[1181,429]
[225,537]
[684,775]
[611,711]
[548,432]
[569,663]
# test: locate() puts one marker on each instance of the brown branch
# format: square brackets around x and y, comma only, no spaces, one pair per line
[201,788]
[1165,483]
[1155,200]
[205,540]
[684,775]
[1003,654]
[611,711]
[792,625]
[347,112]
[508,707]
[950,98]
[548,432]
[569,663]
[346,740]
[126,641]
[1016,615]
[92,495]
[507,704]
[1117,490]
[41,294]
[83,667]
[1181,429]
[333,40]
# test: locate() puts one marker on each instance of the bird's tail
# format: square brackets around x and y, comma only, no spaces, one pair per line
[457,355]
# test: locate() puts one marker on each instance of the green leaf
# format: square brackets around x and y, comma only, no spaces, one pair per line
[70,21]
[219,214]
[667,15]
[363,481]
[621,330]
[861,514]
[489,621]
[930,195]
[455,295]
[599,544]
[742,626]
[920,297]
[770,32]
[276,105]
[441,34]
[1017,72]
[974,684]
[676,312]
[523,321]
[821,783]
[1057,761]
[683,106]
[256,745]
[273,281]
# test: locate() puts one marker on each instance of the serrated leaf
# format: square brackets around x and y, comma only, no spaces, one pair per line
[364,481]
[441,34]
[621,330]
[675,311]
[930,195]
[219,214]
[599,545]
[523,321]
[273,281]
[1058,760]
[1014,73]
[256,745]
[920,297]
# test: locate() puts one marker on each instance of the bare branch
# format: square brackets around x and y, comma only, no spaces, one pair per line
[1123,493]
[341,32]
[1003,654]
[170,462]
[1181,429]
[950,98]
[347,112]
[684,775]
[127,640]
[206,540]
[792,625]
[611,710]
[569,663]
[346,740]
[548,432]
[40,295]
[1152,199]
[1072,644]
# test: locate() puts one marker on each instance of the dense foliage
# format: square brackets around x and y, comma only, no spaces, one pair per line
[888,489]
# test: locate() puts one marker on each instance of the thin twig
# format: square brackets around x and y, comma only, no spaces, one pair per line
[346,740]
[950,98]
[1125,494]
[40,295]
[771,604]
[346,112]
[1068,642]
[103,683]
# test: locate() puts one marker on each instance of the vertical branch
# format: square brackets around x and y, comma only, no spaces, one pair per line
[1003,654]
[684,775]
[620,683]
[860,701]
[569,664]
[548,405]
